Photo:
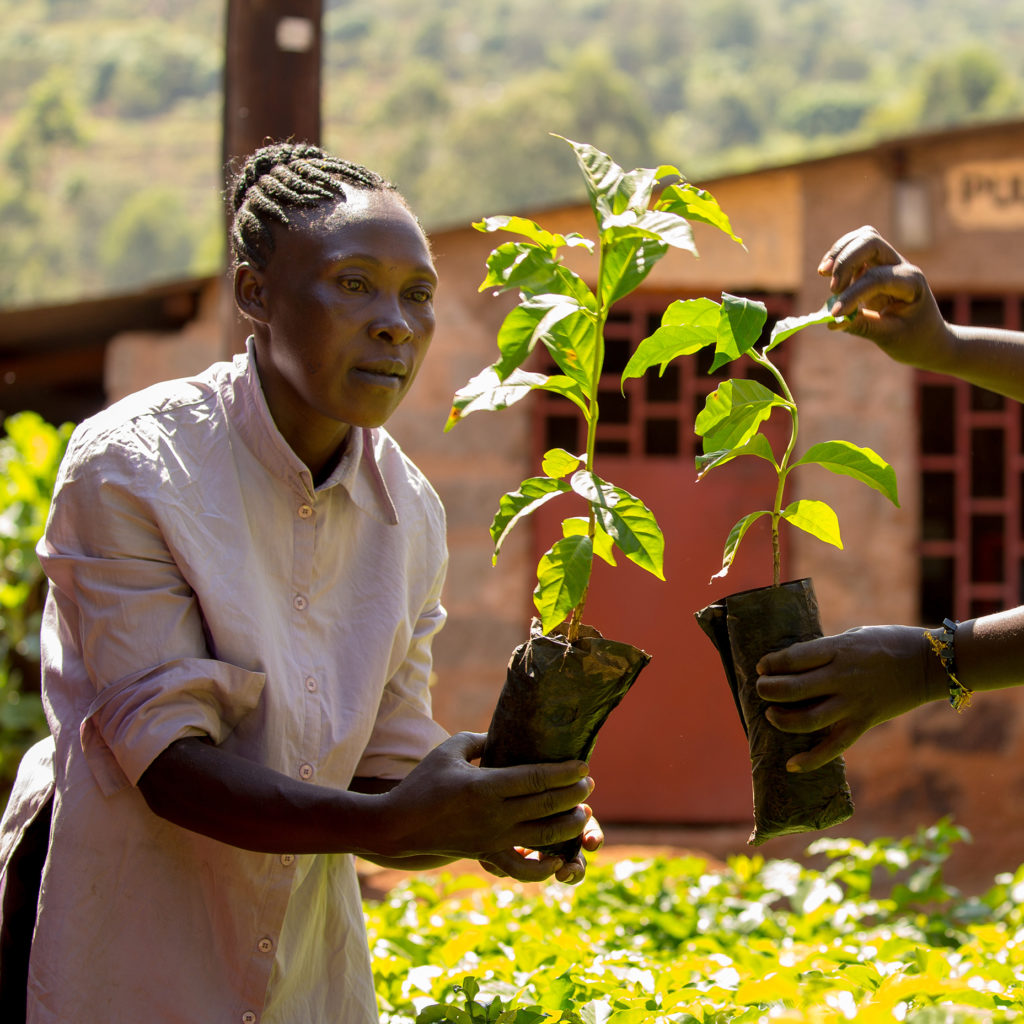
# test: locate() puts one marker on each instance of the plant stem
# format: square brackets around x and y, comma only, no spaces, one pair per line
[593,413]
[783,468]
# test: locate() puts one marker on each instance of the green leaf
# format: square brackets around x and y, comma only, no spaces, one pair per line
[739,328]
[626,260]
[626,519]
[535,319]
[567,388]
[758,445]
[604,546]
[558,463]
[687,326]
[597,1011]
[532,493]
[489,392]
[815,518]
[732,542]
[611,189]
[694,204]
[791,324]
[533,231]
[563,574]
[523,266]
[672,229]
[734,412]
[848,459]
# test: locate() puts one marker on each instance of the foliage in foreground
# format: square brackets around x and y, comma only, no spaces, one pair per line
[30,453]
[874,935]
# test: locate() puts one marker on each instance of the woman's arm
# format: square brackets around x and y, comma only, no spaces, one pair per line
[446,808]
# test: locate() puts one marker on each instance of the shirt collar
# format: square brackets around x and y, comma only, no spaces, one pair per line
[358,470]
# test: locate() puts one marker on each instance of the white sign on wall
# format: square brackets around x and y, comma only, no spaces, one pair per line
[987,194]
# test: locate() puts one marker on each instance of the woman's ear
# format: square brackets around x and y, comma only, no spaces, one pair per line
[248,286]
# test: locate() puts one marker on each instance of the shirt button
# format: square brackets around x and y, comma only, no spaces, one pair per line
[300,603]
[265,945]
[287,859]
[248,1017]
[311,684]
[305,511]
[305,771]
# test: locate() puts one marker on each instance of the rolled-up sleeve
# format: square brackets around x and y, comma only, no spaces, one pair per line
[126,643]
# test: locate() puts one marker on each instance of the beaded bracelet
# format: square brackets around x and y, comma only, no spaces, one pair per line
[943,646]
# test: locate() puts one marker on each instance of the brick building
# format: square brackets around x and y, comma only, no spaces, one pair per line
[673,754]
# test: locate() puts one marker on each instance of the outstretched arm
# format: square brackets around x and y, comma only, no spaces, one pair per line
[847,683]
[446,808]
[887,300]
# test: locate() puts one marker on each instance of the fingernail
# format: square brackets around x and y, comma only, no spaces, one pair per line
[795,768]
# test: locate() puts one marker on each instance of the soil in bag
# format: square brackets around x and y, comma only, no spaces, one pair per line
[745,626]
[556,697]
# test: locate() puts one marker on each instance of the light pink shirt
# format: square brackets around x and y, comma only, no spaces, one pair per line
[200,585]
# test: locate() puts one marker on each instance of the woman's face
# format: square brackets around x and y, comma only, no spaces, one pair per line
[343,315]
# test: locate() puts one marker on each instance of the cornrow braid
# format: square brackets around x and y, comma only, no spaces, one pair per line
[287,176]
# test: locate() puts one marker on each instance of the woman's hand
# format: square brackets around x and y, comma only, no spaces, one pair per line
[847,683]
[449,806]
[887,300]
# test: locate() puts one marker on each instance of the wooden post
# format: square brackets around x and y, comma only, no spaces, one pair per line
[271,88]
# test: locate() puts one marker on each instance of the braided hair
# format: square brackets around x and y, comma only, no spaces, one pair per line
[287,176]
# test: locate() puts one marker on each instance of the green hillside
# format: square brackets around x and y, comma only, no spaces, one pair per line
[110,109]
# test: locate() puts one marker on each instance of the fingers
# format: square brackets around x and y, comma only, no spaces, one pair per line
[522,865]
[467,746]
[798,657]
[572,872]
[593,834]
[806,718]
[537,779]
[852,253]
[879,291]
[549,830]
[835,743]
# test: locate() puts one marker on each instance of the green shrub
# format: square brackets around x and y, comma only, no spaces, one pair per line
[874,935]
[29,456]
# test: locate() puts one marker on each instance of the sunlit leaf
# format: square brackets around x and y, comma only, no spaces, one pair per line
[739,328]
[558,463]
[734,412]
[489,392]
[626,519]
[532,493]
[815,518]
[790,325]
[611,189]
[687,326]
[758,445]
[562,577]
[626,261]
[695,204]
[537,319]
[732,542]
[520,265]
[533,231]
[848,459]
[604,546]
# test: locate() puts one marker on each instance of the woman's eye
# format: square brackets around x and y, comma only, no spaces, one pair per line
[353,284]
[421,295]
